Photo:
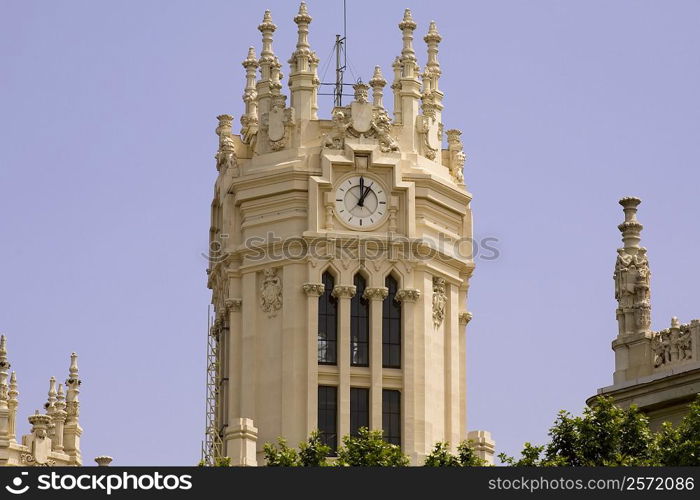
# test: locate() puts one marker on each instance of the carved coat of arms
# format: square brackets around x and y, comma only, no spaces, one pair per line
[271,292]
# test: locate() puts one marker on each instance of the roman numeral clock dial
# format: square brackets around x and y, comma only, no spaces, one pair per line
[361,202]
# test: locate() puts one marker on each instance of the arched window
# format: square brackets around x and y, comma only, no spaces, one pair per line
[391,326]
[359,324]
[327,322]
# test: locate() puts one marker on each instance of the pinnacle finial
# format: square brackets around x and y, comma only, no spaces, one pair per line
[251,58]
[303,15]
[13,393]
[267,28]
[631,227]
[433,34]
[378,82]
[3,345]
[51,402]
[267,24]
[377,77]
[73,370]
[407,20]
[408,55]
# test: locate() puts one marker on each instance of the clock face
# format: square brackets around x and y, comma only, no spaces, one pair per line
[360,202]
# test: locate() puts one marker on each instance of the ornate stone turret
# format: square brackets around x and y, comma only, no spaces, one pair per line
[72,430]
[59,418]
[44,445]
[632,292]
[410,85]
[396,89]
[4,394]
[351,177]
[12,404]
[658,371]
[267,63]
[377,83]
[250,119]
[431,75]
[50,405]
[632,276]
[302,78]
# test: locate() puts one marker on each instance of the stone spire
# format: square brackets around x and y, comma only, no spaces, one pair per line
[410,91]
[4,366]
[4,394]
[302,69]
[51,401]
[396,88]
[12,404]
[378,82]
[268,63]
[432,96]
[250,119]
[59,418]
[50,406]
[72,430]
[408,55]
[632,276]
[432,67]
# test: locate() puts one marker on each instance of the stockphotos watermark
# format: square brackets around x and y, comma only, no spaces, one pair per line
[272,247]
[102,483]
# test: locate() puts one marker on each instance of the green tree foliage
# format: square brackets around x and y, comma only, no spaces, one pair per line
[607,435]
[466,456]
[312,453]
[368,449]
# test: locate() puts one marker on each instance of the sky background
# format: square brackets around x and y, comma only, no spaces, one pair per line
[106,175]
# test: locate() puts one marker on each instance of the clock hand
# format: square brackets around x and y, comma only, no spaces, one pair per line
[360,202]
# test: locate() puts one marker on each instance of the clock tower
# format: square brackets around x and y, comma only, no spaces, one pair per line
[340,261]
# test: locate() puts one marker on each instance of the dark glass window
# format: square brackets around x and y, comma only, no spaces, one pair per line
[391,326]
[359,325]
[328,415]
[391,416]
[359,409]
[327,322]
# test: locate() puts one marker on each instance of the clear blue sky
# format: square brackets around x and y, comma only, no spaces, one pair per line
[106,173]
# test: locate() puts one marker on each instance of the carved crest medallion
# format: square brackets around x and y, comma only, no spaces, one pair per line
[276,124]
[271,292]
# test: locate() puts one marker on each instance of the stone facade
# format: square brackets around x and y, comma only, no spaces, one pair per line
[659,371]
[280,220]
[54,439]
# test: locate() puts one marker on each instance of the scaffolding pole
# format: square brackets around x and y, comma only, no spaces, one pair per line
[212,446]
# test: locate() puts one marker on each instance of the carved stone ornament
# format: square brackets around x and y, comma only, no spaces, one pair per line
[361,120]
[344,291]
[29,460]
[632,286]
[379,293]
[313,289]
[672,345]
[279,121]
[429,129]
[407,295]
[465,318]
[226,154]
[439,301]
[233,305]
[271,292]
[457,155]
